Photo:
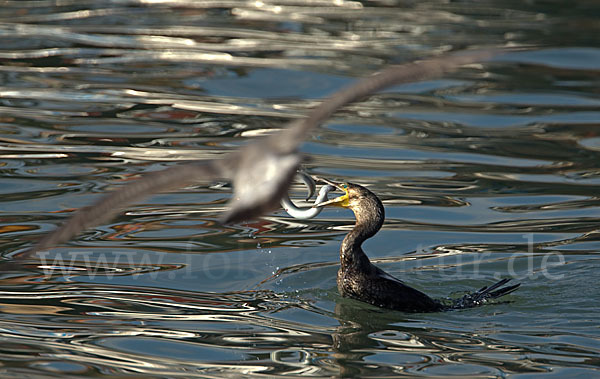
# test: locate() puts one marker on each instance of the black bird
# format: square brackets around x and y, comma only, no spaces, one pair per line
[359,279]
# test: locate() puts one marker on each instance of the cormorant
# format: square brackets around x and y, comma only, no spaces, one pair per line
[359,279]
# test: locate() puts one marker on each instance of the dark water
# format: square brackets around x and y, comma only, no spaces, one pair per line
[493,171]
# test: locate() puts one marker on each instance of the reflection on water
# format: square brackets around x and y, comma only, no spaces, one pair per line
[490,172]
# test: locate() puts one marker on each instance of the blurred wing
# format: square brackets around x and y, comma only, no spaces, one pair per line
[261,171]
[109,205]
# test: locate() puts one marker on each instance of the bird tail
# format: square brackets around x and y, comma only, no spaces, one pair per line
[486,293]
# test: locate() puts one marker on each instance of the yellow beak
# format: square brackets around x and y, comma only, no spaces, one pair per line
[340,201]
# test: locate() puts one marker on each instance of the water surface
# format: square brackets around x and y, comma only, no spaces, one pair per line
[490,172]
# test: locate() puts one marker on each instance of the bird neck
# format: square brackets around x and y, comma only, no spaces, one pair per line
[370,214]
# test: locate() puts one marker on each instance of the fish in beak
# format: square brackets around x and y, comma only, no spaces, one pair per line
[340,201]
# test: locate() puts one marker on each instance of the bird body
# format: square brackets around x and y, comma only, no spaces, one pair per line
[359,279]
